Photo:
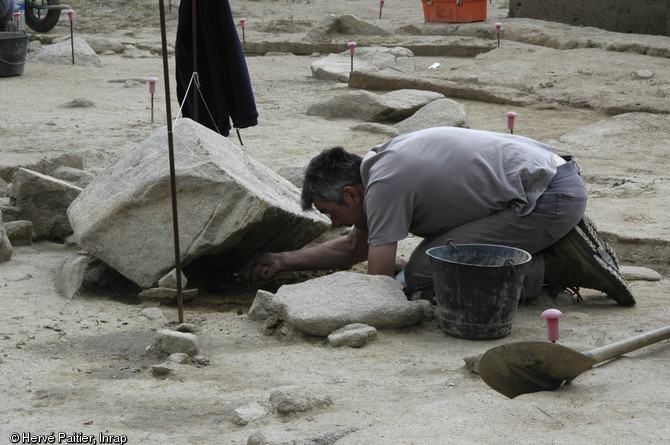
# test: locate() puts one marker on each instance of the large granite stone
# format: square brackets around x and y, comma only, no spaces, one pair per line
[229,207]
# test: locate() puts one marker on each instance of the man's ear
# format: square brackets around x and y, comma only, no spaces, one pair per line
[352,193]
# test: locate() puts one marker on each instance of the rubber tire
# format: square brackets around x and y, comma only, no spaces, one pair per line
[42,22]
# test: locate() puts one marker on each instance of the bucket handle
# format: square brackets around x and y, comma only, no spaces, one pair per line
[13,63]
[510,262]
[450,244]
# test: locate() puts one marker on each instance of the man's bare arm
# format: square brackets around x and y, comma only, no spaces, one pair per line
[341,252]
[382,259]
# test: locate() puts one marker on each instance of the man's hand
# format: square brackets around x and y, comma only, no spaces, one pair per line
[400,264]
[340,252]
[263,267]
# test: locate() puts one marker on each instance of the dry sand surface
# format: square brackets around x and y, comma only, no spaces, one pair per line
[81,366]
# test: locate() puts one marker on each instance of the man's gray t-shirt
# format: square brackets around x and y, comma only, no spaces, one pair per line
[433,180]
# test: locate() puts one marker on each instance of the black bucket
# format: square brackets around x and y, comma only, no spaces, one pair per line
[477,288]
[13,53]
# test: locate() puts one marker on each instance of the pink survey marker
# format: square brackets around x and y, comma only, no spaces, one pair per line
[552,316]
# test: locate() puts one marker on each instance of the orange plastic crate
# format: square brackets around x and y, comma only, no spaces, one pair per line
[454,11]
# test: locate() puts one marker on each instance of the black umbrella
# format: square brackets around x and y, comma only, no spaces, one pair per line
[209,56]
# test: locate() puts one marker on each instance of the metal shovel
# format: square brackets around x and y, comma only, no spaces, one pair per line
[525,367]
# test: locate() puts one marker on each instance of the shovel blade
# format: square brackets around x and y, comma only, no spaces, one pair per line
[526,367]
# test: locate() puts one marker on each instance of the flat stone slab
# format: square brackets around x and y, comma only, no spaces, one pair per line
[438,113]
[393,106]
[323,305]
[61,54]
[367,59]
[635,273]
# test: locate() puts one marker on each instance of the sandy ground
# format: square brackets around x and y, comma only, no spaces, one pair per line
[81,366]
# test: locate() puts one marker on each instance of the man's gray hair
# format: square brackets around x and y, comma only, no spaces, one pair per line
[328,173]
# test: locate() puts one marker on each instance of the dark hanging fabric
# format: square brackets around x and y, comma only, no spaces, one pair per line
[222,68]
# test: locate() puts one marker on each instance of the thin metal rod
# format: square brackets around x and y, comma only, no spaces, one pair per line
[194,24]
[72,41]
[173,187]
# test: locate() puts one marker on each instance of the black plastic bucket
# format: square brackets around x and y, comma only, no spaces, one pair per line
[13,53]
[477,288]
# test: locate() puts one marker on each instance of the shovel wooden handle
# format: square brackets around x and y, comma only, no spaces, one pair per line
[630,344]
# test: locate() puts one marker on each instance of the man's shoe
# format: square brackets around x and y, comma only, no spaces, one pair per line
[604,250]
[9,27]
[573,262]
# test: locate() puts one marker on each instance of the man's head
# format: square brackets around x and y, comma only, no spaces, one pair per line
[328,173]
[333,185]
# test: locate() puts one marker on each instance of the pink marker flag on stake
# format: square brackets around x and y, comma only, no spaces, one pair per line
[152,84]
[152,89]
[70,15]
[552,316]
[498,29]
[352,50]
[381,5]
[17,19]
[243,24]
[511,115]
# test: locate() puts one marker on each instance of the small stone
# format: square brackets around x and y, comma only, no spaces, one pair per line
[429,309]
[644,74]
[186,327]
[200,361]
[172,341]
[564,299]
[248,413]
[161,370]
[354,335]
[263,306]
[472,362]
[20,233]
[633,273]
[170,280]
[292,399]
[70,275]
[272,323]
[181,358]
